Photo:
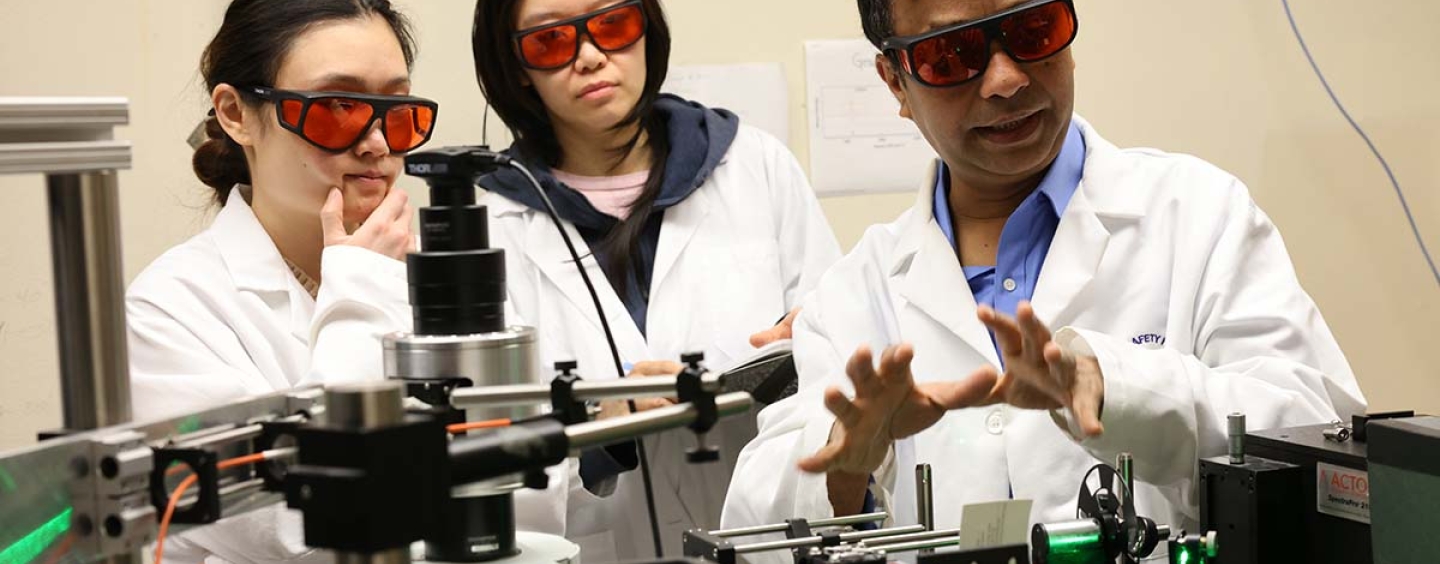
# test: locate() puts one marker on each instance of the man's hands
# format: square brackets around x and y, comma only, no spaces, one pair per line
[1039,374]
[887,406]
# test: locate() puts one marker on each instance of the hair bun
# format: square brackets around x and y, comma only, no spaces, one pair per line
[219,161]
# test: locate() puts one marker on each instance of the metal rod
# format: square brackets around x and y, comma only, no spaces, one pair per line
[89,298]
[777,545]
[608,431]
[525,394]
[815,541]
[1236,428]
[849,520]
[1125,465]
[924,496]
[232,435]
[814,524]
[878,533]
[912,537]
[227,492]
[241,488]
[203,433]
[921,545]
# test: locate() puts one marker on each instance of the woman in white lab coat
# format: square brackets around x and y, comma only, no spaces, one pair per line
[302,269]
[697,229]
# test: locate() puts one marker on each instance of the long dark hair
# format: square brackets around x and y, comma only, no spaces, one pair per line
[252,42]
[498,69]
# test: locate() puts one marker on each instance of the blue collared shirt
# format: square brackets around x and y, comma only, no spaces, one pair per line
[1024,241]
[1026,237]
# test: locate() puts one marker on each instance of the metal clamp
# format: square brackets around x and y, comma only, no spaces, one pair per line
[1338,432]
[564,405]
[274,434]
[205,464]
[121,511]
[690,388]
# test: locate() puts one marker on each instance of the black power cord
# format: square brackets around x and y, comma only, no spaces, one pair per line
[609,337]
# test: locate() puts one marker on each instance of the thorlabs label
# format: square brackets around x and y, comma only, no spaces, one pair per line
[1342,492]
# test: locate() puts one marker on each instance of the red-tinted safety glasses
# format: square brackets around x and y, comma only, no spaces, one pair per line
[957,54]
[557,44]
[337,121]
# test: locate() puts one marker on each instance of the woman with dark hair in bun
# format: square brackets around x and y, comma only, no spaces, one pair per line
[302,270]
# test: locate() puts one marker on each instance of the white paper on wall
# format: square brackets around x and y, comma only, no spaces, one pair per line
[858,141]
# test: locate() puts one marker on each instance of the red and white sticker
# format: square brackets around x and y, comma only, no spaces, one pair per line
[1342,492]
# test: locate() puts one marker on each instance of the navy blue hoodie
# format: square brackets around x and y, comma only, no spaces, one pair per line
[699,139]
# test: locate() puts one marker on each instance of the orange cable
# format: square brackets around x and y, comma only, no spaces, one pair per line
[180,491]
[490,424]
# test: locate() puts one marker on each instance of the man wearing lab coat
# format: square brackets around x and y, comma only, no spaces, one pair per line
[1049,302]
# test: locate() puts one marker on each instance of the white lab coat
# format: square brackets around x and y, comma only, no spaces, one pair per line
[221,317]
[733,257]
[1162,266]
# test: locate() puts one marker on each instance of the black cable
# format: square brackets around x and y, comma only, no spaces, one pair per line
[609,337]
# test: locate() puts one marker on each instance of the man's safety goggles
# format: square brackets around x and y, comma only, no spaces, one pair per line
[957,54]
[337,121]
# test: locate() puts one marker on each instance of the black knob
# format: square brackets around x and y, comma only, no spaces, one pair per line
[537,480]
[692,358]
[703,455]
[566,366]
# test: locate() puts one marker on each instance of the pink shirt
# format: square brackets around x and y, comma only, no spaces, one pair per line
[611,195]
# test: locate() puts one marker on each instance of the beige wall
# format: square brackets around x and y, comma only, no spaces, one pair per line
[1225,81]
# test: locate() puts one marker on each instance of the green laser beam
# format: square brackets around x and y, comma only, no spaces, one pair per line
[34,544]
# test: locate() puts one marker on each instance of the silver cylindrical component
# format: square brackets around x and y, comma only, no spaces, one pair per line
[914,537]
[486,488]
[365,405]
[229,493]
[848,520]
[89,298]
[529,394]
[237,434]
[777,545]
[609,431]
[881,534]
[1236,433]
[926,544]
[1163,531]
[924,496]
[502,358]
[1125,466]
[814,524]
[1210,544]
[815,540]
